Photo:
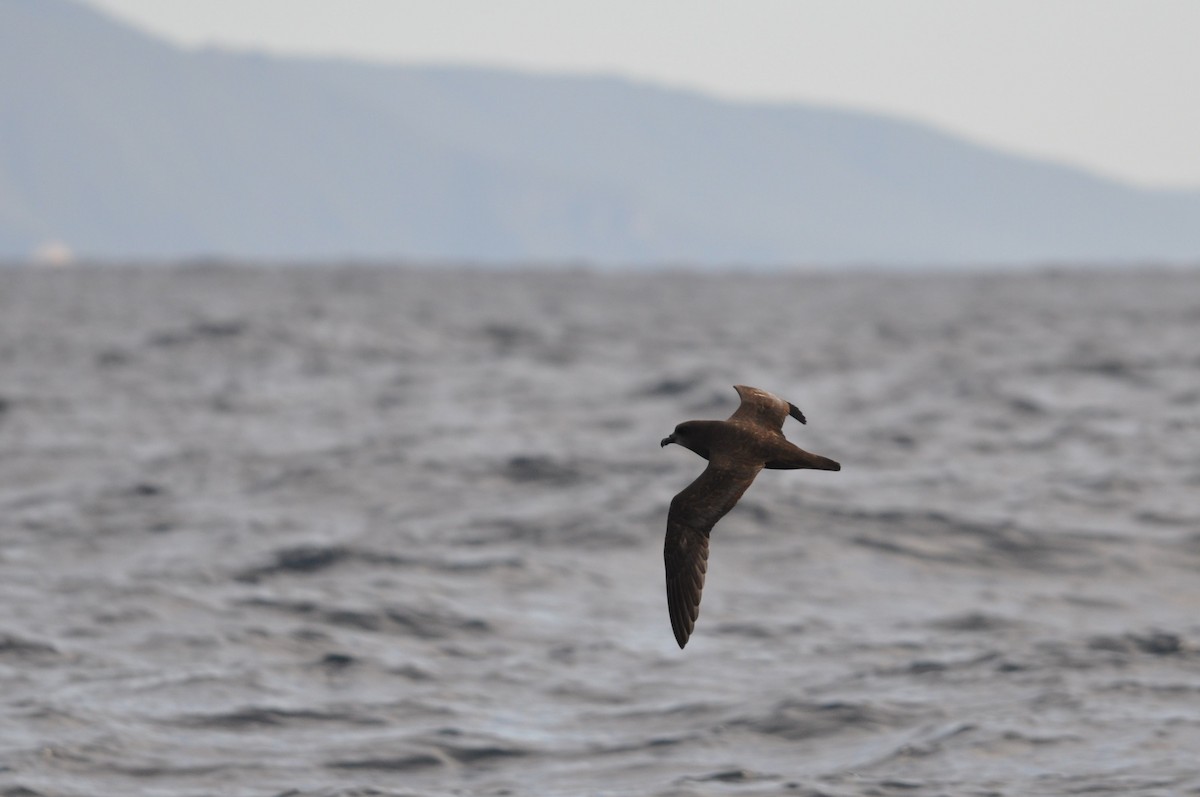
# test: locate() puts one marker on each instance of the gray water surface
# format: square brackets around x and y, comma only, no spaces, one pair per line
[354,531]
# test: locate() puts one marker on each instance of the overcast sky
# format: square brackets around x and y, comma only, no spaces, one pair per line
[1112,85]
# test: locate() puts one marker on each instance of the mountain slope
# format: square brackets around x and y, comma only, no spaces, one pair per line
[121,145]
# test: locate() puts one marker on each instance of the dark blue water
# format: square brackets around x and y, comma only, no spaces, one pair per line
[398,532]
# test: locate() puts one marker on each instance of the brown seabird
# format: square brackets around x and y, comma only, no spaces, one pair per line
[736,450]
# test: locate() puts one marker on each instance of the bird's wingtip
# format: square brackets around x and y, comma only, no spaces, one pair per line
[795,412]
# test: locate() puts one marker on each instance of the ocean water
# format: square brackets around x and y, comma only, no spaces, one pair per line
[375,531]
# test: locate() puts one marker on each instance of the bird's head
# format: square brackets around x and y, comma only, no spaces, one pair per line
[688,435]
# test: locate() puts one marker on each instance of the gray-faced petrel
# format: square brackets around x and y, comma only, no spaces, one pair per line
[736,450]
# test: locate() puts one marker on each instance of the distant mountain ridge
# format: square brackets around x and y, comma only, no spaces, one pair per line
[119,145]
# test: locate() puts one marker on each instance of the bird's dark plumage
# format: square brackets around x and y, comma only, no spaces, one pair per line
[736,450]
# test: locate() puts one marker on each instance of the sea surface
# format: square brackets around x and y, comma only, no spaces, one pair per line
[274,531]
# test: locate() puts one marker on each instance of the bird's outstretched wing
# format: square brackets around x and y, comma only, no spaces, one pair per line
[693,514]
[764,409]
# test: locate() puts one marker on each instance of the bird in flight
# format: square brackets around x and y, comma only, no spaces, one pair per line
[736,450]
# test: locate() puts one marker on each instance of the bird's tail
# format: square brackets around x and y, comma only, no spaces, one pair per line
[823,463]
[797,458]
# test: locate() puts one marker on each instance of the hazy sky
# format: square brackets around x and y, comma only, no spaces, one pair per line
[1113,85]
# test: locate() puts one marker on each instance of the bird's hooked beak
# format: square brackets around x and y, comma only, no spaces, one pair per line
[668,439]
